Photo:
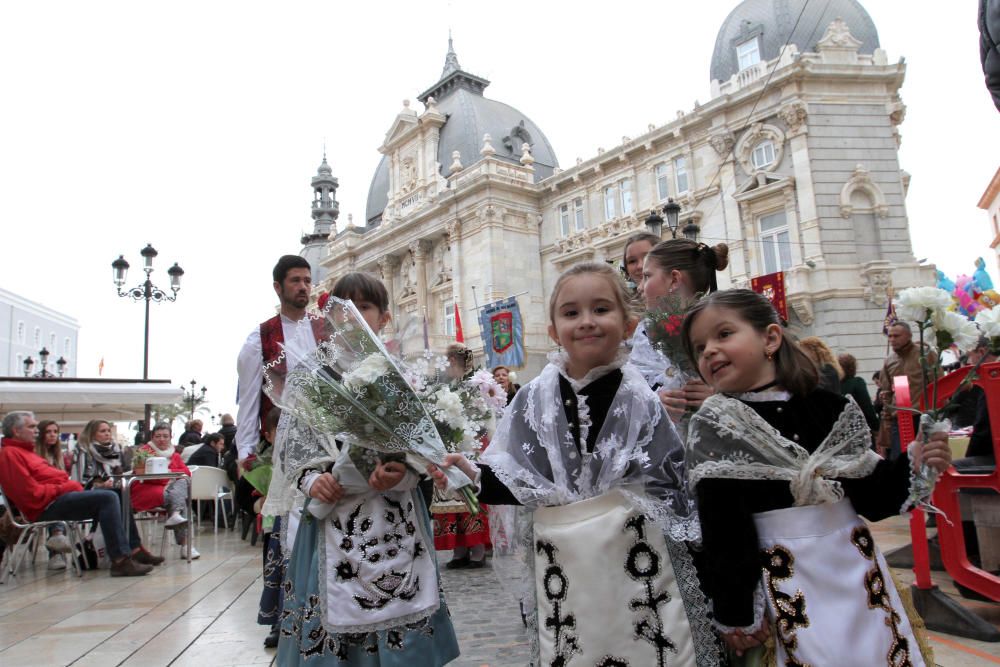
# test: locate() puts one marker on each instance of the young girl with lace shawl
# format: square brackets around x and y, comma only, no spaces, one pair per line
[361,586]
[781,471]
[591,473]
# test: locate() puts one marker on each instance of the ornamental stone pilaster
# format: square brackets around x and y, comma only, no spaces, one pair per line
[387,265]
[421,250]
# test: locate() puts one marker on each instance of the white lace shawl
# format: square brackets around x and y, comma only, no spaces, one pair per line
[728,439]
[637,450]
[297,447]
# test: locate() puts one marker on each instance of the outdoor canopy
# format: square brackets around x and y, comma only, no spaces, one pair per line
[75,401]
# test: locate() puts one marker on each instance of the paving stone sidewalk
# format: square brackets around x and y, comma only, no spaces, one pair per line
[486,618]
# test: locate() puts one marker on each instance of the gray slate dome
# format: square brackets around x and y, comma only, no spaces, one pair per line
[772,20]
[459,96]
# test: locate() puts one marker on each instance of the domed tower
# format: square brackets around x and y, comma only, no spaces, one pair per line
[468,116]
[325,210]
[756,30]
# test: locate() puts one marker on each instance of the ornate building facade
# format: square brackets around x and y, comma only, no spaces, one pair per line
[793,163]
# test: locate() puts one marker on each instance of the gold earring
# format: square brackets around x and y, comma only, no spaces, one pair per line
[769,355]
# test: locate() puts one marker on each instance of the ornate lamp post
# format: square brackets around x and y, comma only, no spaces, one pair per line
[192,399]
[43,357]
[147,292]
[671,210]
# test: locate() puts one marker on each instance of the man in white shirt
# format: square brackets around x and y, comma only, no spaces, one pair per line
[292,284]
[264,345]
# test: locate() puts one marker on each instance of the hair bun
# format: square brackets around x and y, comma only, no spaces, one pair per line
[721,256]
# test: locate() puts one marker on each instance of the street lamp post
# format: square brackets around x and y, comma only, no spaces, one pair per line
[193,398]
[43,357]
[147,292]
[671,211]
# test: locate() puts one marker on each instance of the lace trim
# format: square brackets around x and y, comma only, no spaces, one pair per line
[706,647]
[559,359]
[759,617]
[583,419]
[764,396]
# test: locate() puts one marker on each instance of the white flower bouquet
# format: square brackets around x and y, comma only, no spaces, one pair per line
[352,390]
[938,328]
[465,411]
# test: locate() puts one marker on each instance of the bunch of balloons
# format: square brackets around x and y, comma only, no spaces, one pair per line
[971,294]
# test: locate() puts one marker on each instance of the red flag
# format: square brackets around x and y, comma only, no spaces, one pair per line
[773,287]
[459,337]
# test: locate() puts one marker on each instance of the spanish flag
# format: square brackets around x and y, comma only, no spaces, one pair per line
[459,336]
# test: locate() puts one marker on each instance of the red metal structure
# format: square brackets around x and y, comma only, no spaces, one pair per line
[939,611]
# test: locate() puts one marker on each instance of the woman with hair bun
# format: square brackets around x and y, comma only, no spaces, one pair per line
[687,268]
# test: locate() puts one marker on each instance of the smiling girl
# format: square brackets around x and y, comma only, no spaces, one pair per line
[781,471]
[596,549]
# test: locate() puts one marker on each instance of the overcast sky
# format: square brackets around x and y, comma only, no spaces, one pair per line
[196,126]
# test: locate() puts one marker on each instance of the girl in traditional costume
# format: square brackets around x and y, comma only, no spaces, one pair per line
[781,470]
[585,453]
[362,585]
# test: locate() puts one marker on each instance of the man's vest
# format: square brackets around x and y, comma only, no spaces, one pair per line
[272,337]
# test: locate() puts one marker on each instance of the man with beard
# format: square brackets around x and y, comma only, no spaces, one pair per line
[292,284]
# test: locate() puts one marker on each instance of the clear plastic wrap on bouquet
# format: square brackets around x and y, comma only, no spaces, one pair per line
[350,388]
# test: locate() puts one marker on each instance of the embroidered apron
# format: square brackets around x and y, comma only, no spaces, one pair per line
[606,590]
[829,592]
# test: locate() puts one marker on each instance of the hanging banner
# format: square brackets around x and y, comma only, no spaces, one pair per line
[503,333]
[773,287]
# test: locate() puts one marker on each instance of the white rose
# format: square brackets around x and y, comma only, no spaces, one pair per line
[912,304]
[448,406]
[989,322]
[963,332]
[368,371]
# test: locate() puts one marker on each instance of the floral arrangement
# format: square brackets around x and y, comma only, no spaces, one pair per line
[465,411]
[351,389]
[139,456]
[664,331]
[939,328]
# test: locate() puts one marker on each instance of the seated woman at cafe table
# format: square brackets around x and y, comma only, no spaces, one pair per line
[169,493]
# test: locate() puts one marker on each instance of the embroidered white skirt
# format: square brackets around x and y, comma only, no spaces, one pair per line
[829,592]
[606,591]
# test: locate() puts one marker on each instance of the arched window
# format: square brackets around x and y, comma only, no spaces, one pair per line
[20,332]
[38,336]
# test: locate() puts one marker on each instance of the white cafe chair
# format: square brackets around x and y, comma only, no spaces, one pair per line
[209,483]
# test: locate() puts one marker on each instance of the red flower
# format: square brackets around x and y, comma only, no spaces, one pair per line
[322,300]
[672,325]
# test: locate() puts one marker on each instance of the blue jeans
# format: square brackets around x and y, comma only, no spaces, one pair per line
[104,507]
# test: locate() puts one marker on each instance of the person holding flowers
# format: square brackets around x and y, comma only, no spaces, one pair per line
[596,513]
[674,273]
[362,585]
[782,470]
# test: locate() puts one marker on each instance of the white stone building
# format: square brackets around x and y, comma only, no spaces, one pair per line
[990,202]
[26,327]
[793,163]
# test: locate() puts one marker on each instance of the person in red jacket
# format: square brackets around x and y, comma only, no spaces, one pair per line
[169,493]
[43,493]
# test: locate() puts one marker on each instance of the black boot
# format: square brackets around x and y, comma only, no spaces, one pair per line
[271,641]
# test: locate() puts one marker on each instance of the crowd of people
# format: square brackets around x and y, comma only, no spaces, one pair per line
[36,482]
[641,502]
[629,500]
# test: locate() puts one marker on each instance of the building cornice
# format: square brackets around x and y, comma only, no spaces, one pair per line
[38,309]
[992,191]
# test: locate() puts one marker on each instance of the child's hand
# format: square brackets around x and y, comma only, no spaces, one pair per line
[695,392]
[326,489]
[935,452]
[387,475]
[675,403]
[740,641]
[437,474]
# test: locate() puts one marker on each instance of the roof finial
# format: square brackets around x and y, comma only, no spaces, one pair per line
[451,60]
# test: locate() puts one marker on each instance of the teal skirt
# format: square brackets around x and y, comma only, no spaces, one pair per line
[304,641]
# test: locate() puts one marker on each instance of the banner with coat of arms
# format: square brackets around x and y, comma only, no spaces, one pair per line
[773,287]
[503,333]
